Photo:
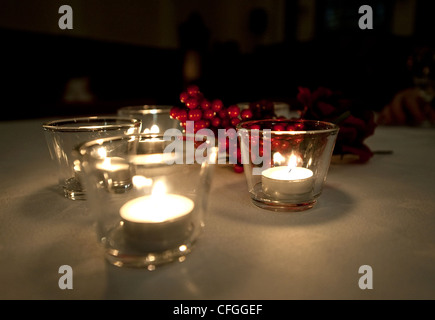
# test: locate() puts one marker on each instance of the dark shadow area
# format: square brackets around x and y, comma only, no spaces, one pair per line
[332,204]
[102,76]
[49,203]
[369,65]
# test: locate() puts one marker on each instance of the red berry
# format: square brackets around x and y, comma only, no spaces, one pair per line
[184,96]
[238,168]
[225,123]
[205,104]
[246,114]
[255,127]
[198,96]
[276,144]
[278,127]
[233,111]
[174,112]
[235,121]
[297,139]
[192,89]
[290,127]
[195,114]
[216,121]
[217,105]
[191,103]
[223,114]
[284,145]
[208,114]
[299,126]
[182,115]
[200,124]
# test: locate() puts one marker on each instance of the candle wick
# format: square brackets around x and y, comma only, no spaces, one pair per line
[290,170]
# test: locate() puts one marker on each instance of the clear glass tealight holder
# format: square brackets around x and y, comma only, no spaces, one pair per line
[149,195]
[286,161]
[155,118]
[64,135]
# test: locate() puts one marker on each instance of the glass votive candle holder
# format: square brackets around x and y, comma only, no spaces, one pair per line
[64,135]
[149,196]
[286,161]
[155,118]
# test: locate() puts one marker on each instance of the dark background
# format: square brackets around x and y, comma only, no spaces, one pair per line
[38,60]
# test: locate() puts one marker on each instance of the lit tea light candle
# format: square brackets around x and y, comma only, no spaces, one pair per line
[283,182]
[158,221]
[113,165]
[154,129]
[116,173]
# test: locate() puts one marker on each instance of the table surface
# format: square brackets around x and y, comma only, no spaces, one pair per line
[380,214]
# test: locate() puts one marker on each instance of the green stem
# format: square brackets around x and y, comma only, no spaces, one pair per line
[341,118]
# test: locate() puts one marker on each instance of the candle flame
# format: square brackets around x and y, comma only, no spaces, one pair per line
[102,153]
[107,163]
[159,189]
[131,131]
[278,158]
[154,129]
[293,161]
[141,181]
[77,166]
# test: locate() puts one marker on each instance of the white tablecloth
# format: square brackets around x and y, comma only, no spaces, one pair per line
[380,214]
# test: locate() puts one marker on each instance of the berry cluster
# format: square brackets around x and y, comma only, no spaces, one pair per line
[214,115]
[207,113]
